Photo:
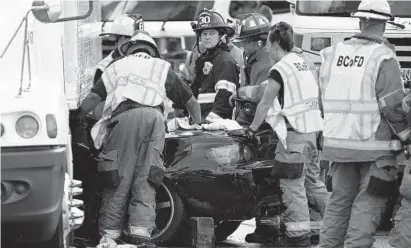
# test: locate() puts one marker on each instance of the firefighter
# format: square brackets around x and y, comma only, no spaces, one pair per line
[216,72]
[400,235]
[121,31]
[362,94]
[132,128]
[292,92]
[252,38]
[198,49]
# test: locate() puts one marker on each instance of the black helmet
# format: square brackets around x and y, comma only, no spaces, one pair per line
[254,26]
[208,19]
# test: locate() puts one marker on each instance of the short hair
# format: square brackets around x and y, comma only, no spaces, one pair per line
[282,33]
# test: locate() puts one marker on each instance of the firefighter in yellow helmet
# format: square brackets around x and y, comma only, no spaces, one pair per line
[131,134]
[364,125]
[198,49]
[216,72]
[290,105]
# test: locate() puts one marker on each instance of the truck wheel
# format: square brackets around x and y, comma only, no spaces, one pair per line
[225,229]
[58,240]
[170,214]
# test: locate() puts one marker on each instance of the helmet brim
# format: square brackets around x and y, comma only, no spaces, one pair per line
[360,14]
[106,34]
[256,36]
[228,30]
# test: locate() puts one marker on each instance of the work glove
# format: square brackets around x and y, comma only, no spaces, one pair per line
[244,133]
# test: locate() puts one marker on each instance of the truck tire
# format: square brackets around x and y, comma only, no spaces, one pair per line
[57,240]
[171,215]
[225,229]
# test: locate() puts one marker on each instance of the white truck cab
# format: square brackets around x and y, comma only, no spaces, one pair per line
[48,52]
[319,24]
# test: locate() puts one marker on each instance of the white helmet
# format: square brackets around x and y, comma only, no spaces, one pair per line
[374,9]
[126,25]
[141,40]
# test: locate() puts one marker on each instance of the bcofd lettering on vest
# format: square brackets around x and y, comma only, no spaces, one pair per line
[346,61]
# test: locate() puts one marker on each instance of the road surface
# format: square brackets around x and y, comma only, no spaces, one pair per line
[237,239]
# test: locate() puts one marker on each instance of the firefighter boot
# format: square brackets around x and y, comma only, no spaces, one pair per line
[261,235]
[294,242]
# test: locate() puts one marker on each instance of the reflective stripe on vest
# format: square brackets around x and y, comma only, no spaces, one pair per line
[301,107]
[365,145]
[104,62]
[227,85]
[348,75]
[206,97]
[297,226]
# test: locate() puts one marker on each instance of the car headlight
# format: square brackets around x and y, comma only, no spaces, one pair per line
[319,43]
[27,126]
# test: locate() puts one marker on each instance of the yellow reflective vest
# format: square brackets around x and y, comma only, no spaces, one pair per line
[140,78]
[301,96]
[105,62]
[348,77]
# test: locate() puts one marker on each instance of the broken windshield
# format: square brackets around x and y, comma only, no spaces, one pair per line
[155,10]
[344,8]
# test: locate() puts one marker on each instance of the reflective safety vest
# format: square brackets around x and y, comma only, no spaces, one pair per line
[348,76]
[301,95]
[140,78]
[105,62]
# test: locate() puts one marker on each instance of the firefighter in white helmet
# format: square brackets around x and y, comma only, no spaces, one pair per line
[364,125]
[292,92]
[132,128]
[120,32]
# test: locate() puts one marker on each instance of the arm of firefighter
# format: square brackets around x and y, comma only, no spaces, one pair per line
[194,109]
[255,92]
[97,94]
[227,77]
[271,91]
[97,76]
[390,93]
[180,94]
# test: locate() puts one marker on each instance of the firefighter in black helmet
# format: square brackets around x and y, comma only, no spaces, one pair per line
[216,72]
[252,38]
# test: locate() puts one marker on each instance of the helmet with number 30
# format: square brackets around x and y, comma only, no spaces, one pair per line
[208,19]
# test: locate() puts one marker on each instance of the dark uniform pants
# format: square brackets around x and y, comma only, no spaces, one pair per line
[133,145]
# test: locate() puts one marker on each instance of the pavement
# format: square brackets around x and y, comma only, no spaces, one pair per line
[237,238]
